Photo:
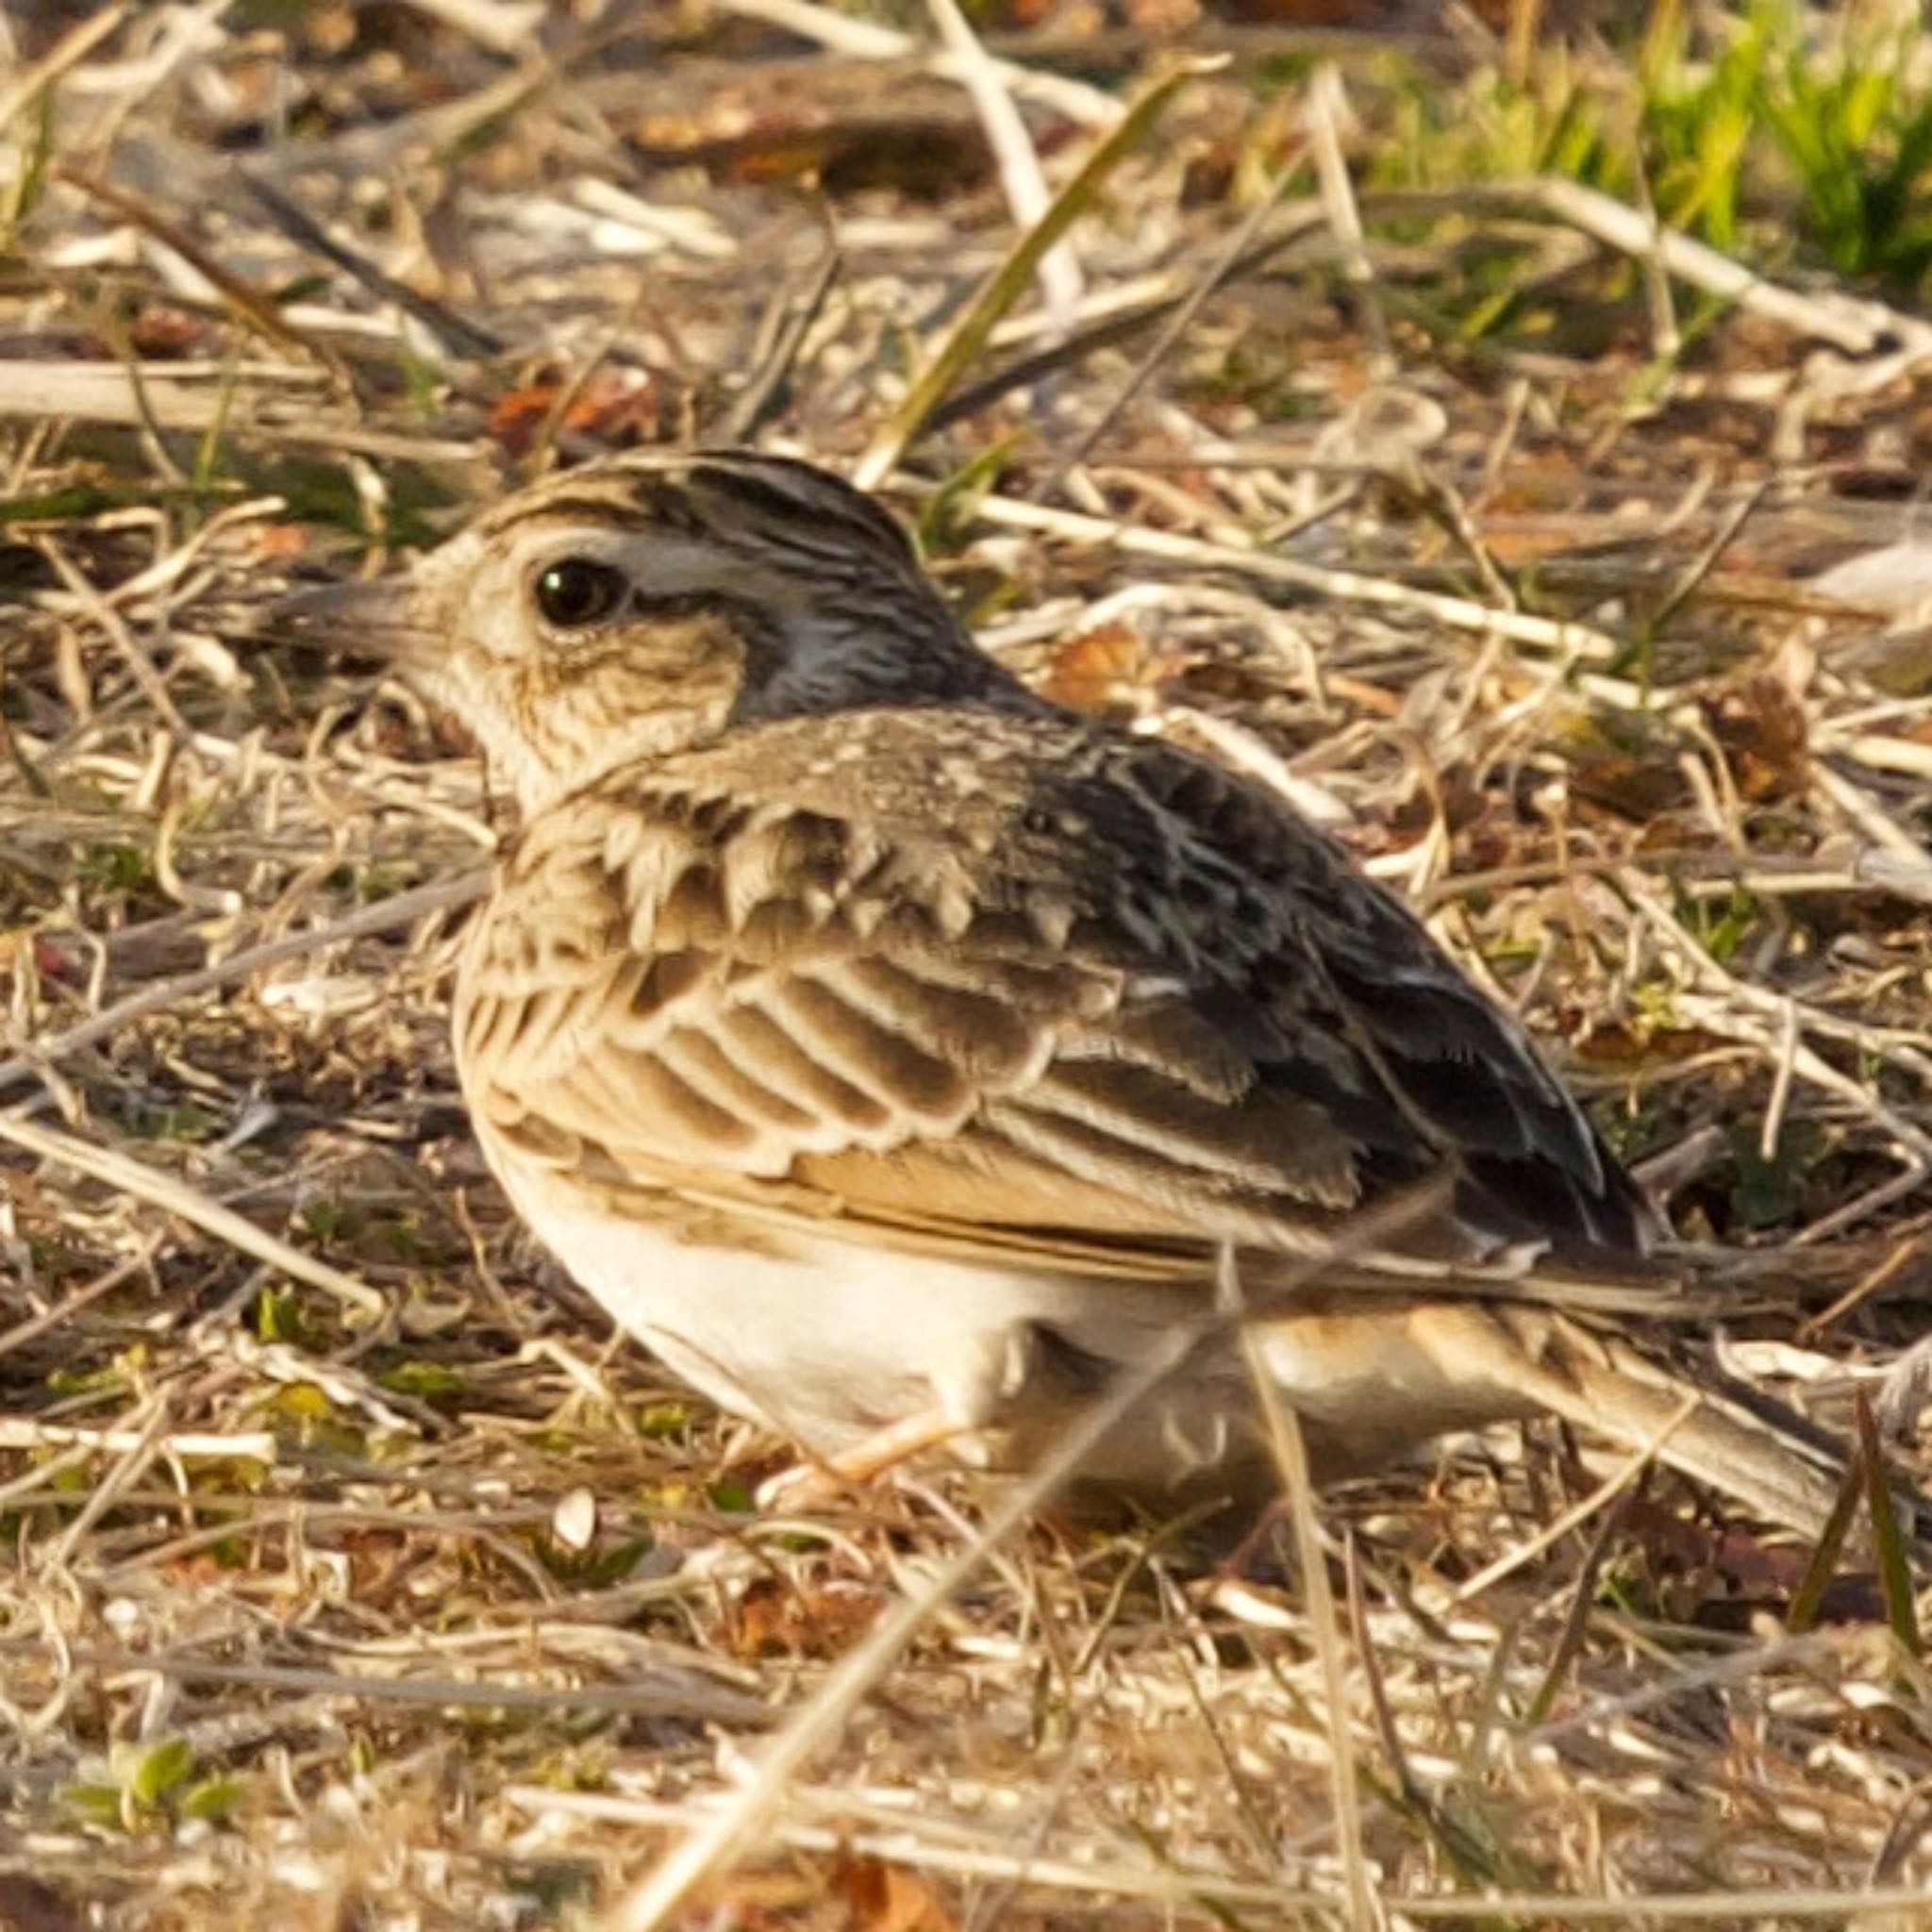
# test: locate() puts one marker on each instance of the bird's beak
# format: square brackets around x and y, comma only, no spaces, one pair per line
[387,619]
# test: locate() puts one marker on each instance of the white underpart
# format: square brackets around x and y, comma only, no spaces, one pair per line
[830,1346]
[833,1345]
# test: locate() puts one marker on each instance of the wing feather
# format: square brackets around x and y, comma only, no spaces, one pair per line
[1150,1013]
[840,1110]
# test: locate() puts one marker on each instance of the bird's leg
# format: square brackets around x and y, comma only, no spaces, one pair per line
[885,1448]
[1245,1558]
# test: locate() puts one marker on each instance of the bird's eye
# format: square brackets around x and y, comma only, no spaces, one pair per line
[578,590]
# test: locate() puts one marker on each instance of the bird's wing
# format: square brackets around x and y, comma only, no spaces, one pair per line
[1076,998]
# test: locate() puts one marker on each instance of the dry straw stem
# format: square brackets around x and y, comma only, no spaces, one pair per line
[457,333]
[176,1197]
[1325,115]
[1182,1889]
[868,41]
[1575,642]
[247,301]
[23,1432]
[1021,179]
[92,30]
[957,353]
[699,1702]
[505,26]
[714,1846]
[1690,1683]
[1182,305]
[1856,325]
[258,401]
[1292,1459]
[1580,1512]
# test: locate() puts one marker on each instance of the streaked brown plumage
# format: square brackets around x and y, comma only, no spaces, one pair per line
[876,1040]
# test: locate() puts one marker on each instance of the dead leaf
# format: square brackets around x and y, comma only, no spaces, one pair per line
[1098,670]
[821,1620]
[616,408]
[927,155]
[889,1898]
[1763,730]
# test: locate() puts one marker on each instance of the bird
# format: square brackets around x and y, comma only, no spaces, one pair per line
[903,1058]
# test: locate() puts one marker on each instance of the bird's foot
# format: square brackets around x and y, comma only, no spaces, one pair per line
[810,1485]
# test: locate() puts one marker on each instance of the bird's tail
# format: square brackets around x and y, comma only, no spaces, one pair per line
[1369,1376]
[1654,1395]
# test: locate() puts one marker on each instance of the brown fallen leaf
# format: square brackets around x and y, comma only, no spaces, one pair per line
[1099,670]
[889,1898]
[616,408]
[818,1621]
[1762,727]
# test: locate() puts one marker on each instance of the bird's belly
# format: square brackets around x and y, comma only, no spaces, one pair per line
[832,1343]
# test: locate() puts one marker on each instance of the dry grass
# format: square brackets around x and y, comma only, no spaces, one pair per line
[360,1580]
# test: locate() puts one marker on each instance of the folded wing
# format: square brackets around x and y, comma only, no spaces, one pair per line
[1089,999]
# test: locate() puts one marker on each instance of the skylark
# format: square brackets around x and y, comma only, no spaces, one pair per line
[894,1053]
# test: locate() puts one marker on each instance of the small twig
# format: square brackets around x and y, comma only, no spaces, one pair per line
[69,1306]
[66,52]
[1324,116]
[1782,1076]
[1881,754]
[772,371]
[1666,337]
[1444,506]
[1181,1888]
[250,1446]
[1575,1619]
[1854,324]
[1571,640]
[386,914]
[457,333]
[259,399]
[1907,1047]
[111,625]
[1238,249]
[693,1702]
[134,1449]
[1090,106]
[176,1197]
[713,1847]
[1606,1491]
[1909,1247]
[1318,1597]
[906,1846]
[1708,558]
[1698,1680]
[505,26]
[248,302]
[1827,1227]
[1116,327]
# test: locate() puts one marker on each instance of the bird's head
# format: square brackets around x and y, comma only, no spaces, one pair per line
[642,606]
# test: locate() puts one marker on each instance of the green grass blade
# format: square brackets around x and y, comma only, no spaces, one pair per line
[1007,282]
[1802,1612]
[1895,1570]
